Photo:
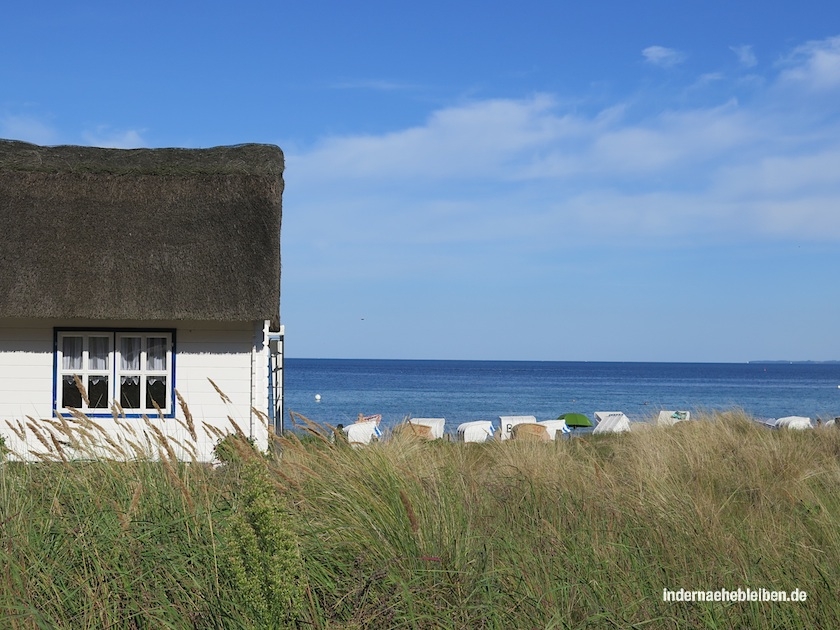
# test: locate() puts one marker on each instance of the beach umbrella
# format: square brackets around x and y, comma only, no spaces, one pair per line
[574,420]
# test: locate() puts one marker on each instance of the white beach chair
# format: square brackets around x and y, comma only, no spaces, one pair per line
[793,422]
[555,426]
[668,418]
[360,433]
[611,422]
[435,424]
[506,424]
[475,431]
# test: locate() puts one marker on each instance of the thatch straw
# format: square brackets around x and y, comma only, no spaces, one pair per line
[148,234]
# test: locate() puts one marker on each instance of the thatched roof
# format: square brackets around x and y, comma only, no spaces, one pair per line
[146,234]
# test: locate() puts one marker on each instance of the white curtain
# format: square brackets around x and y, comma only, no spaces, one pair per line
[98,353]
[156,353]
[71,353]
[130,353]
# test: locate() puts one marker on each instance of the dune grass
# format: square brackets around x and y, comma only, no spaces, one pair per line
[146,543]
[582,533]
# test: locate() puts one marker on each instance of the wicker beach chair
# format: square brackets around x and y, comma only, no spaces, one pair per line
[413,431]
[554,427]
[364,431]
[506,424]
[530,432]
[475,431]
[435,425]
[667,418]
[611,422]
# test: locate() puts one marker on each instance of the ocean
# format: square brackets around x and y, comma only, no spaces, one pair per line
[461,391]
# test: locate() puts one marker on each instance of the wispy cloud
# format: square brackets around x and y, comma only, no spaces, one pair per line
[377,85]
[104,136]
[814,65]
[663,57]
[27,128]
[468,140]
[534,174]
[38,131]
[745,54]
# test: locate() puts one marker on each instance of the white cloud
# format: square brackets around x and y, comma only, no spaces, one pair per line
[532,174]
[663,57]
[814,65]
[707,79]
[378,85]
[745,54]
[103,136]
[784,176]
[27,128]
[471,140]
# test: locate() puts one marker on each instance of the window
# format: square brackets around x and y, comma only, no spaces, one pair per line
[133,368]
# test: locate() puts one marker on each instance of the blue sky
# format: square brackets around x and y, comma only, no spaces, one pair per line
[604,181]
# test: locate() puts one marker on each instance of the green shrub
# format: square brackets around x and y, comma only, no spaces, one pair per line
[234,448]
[261,560]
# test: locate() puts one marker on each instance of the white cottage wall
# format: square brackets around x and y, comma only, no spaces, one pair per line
[234,355]
[25,370]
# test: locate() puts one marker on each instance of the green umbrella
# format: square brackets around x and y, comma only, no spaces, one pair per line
[575,420]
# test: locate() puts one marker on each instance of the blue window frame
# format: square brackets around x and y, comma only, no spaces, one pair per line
[134,368]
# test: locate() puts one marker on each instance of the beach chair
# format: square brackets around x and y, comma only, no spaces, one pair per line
[411,430]
[475,431]
[506,424]
[611,422]
[554,427]
[434,424]
[530,432]
[793,422]
[363,431]
[668,418]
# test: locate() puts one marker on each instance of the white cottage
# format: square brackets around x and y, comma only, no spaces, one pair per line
[143,275]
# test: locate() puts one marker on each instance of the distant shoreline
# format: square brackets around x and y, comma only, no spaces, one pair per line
[569,361]
[777,362]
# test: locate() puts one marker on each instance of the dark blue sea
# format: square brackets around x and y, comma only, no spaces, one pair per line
[461,391]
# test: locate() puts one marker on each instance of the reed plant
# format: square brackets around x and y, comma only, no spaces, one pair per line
[119,533]
[582,533]
[410,533]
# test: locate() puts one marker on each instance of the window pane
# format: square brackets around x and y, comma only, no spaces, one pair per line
[156,353]
[70,394]
[97,392]
[130,353]
[156,391]
[71,353]
[98,353]
[130,392]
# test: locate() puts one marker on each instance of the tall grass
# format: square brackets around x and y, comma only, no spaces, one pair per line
[113,538]
[575,534]
[582,533]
